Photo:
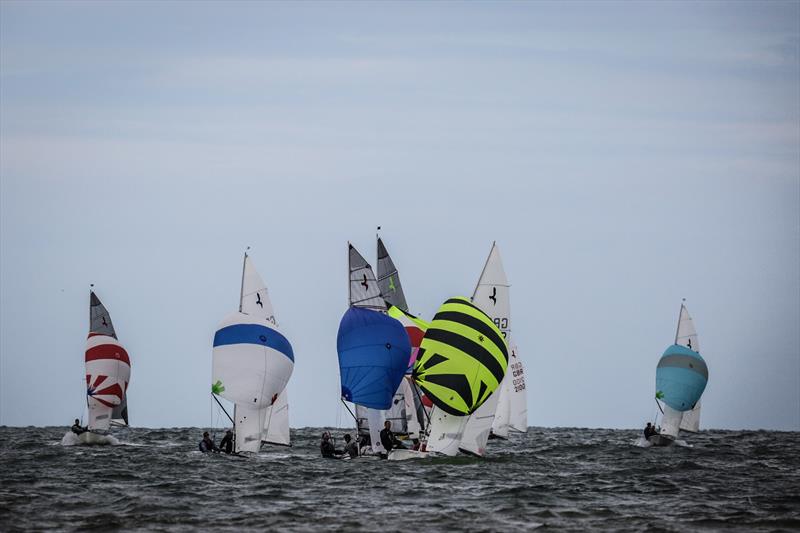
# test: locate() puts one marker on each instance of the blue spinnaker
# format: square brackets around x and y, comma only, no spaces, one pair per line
[373,356]
[681,377]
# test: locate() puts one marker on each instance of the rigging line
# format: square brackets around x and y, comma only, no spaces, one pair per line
[223,408]
[427,415]
[349,411]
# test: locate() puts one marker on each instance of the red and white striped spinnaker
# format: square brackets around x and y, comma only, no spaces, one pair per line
[108,370]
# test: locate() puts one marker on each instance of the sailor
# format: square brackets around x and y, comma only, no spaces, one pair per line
[207,444]
[388,440]
[326,447]
[350,446]
[76,427]
[649,431]
[226,444]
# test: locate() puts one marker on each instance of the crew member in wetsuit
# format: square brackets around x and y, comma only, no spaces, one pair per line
[226,444]
[388,439]
[207,444]
[77,429]
[350,447]
[326,447]
[649,431]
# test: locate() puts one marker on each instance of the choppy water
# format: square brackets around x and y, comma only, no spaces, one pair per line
[564,479]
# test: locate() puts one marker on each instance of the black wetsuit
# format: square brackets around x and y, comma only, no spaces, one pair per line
[327,449]
[77,429]
[351,448]
[207,445]
[387,439]
[649,431]
[226,444]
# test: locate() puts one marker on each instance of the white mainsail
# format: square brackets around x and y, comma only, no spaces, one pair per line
[516,391]
[276,421]
[491,295]
[252,360]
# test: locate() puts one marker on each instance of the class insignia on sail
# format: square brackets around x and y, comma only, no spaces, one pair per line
[462,358]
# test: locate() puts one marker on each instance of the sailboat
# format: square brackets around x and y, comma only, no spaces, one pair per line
[507,408]
[461,362]
[406,414]
[108,373]
[251,364]
[681,378]
[373,349]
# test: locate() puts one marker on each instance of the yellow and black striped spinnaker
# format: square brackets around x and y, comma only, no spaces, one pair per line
[462,358]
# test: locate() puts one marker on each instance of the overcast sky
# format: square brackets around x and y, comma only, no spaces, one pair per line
[622,155]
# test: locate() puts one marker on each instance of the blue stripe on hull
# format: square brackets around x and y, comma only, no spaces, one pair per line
[254,334]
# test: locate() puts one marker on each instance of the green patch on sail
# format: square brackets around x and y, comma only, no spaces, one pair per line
[217,388]
[659,395]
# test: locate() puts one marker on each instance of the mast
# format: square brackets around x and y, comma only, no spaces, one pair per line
[349,273]
[241,287]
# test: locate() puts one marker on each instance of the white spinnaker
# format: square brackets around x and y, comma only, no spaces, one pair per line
[276,421]
[445,431]
[252,372]
[255,296]
[492,297]
[670,421]
[517,393]
[364,290]
[477,429]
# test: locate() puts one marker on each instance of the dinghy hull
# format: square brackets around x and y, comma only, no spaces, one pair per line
[661,440]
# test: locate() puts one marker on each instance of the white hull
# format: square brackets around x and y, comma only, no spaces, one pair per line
[404,455]
[88,438]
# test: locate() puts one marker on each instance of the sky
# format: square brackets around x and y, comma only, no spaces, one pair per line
[622,155]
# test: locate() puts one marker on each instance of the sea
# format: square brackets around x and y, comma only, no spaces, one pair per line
[565,479]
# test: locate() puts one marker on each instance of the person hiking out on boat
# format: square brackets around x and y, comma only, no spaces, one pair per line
[649,431]
[388,440]
[226,444]
[350,446]
[77,429]
[207,444]
[326,447]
